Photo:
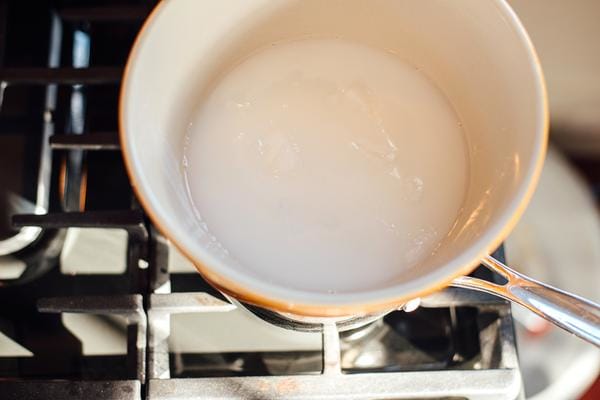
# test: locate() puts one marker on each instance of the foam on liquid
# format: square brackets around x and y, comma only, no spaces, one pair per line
[326,165]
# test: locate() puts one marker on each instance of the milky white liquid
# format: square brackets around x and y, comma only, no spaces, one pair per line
[326,165]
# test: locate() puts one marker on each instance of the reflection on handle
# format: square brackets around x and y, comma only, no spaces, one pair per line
[572,313]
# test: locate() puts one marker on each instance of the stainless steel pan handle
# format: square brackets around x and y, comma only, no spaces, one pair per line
[572,313]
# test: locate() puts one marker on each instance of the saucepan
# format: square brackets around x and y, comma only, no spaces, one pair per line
[476,52]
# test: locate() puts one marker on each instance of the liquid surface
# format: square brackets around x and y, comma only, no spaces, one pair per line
[326,165]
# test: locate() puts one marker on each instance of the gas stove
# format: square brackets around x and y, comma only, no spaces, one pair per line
[96,303]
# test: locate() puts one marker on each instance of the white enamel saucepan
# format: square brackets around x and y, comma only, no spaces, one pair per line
[476,51]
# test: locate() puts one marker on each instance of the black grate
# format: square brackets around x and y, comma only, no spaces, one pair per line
[54,54]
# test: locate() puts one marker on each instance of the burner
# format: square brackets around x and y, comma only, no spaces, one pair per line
[310,324]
